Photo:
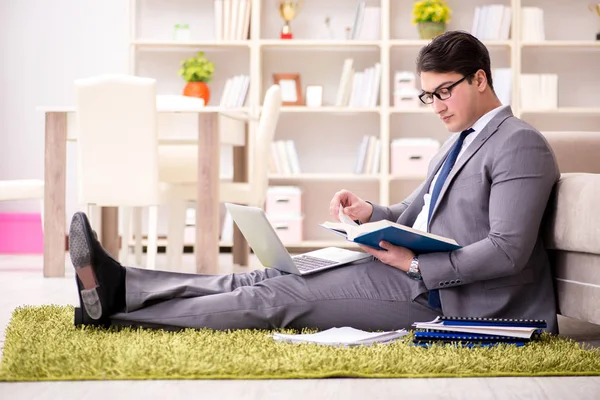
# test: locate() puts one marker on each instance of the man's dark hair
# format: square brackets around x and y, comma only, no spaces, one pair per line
[455,51]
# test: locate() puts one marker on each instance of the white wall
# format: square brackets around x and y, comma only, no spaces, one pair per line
[44,46]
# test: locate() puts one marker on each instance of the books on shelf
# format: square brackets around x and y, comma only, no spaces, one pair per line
[369,156]
[343,94]
[283,158]
[232,19]
[371,233]
[477,331]
[358,88]
[367,22]
[235,91]
[539,91]
[344,336]
[532,24]
[502,78]
[492,22]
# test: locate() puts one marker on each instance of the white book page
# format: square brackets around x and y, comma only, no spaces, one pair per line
[512,331]
[344,336]
[344,218]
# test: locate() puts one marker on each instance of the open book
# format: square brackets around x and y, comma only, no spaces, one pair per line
[371,233]
[345,336]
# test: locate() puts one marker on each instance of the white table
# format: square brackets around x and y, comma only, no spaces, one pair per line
[60,128]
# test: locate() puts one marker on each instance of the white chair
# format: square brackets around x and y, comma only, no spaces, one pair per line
[117,142]
[178,166]
[23,189]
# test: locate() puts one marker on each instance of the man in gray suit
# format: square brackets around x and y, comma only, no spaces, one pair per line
[487,188]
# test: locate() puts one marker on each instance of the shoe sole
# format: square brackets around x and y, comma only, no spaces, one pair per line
[80,250]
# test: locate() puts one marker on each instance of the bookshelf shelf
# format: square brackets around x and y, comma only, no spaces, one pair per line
[566,110]
[393,178]
[307,244]
[330,110]
[419,110]
[420,43]
[563,43]
[498,43]
[339,44]
[172,44]
[323,177]
[327,138]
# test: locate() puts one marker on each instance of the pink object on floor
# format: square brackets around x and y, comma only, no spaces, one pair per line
[21,234]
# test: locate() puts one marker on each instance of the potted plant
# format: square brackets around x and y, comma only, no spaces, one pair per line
[431,17]
[197,72]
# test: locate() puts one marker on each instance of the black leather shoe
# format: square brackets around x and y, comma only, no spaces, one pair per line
[100,279]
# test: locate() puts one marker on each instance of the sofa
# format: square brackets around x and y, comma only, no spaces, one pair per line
[571,225]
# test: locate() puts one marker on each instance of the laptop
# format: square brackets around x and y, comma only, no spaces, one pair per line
[271,252]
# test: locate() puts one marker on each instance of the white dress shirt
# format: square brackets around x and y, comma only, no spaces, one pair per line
[422,219]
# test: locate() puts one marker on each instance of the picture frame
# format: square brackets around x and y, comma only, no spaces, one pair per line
[314,95]
[291,89]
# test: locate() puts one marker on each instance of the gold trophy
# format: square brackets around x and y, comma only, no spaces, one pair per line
[288,10]
[595,8]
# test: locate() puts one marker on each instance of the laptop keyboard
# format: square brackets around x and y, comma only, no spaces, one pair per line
[306,263]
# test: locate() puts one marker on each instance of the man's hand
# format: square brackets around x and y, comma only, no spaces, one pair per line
[353,206]
[396,256]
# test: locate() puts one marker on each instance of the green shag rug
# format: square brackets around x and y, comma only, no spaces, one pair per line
[43,345]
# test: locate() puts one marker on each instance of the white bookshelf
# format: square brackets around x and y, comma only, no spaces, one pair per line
[325,177]
[327,138]
[563,43]
[330,110]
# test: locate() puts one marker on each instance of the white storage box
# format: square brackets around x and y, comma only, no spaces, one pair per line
[284,200]
[410,157]
[407,98]
[288,228]
[404,80]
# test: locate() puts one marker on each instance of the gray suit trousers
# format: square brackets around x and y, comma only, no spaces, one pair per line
[364,295]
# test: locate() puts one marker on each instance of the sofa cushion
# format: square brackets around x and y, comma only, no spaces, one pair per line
[577,280]
[571,266]
[573,220]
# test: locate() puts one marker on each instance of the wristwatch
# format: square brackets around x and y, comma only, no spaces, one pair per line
[414,272]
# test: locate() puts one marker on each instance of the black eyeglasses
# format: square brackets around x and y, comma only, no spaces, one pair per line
[442,94]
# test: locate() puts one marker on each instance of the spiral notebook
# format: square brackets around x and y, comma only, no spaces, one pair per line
[450,337]
[477,321]
[499,327]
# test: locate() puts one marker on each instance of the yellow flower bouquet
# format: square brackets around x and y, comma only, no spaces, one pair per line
[431,11]
[431,17]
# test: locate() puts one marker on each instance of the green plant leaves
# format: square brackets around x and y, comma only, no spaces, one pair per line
[197,68]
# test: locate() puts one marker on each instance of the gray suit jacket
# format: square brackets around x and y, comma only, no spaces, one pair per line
[492,204]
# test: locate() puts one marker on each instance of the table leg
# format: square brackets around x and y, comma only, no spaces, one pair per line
[207,205]
[240,249]
[55,163]
[110,231]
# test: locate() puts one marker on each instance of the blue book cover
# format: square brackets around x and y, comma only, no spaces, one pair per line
[466,344]
[371,233]
[460,336]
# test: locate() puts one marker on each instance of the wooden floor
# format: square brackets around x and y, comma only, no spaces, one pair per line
[21,282]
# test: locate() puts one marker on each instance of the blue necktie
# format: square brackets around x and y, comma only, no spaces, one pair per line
[434,295]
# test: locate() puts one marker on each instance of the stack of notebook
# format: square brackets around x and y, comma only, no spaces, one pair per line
[477,331]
